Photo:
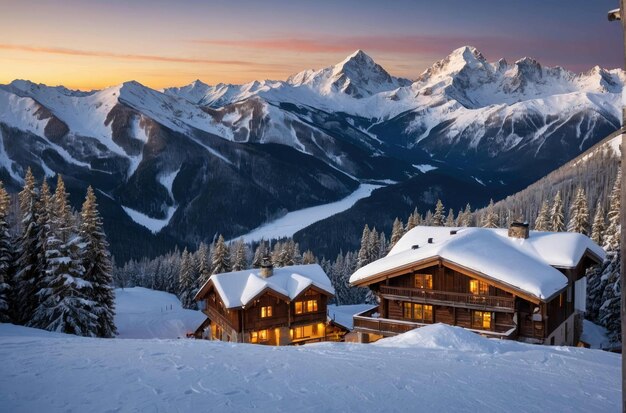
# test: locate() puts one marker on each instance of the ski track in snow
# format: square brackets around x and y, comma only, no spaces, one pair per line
[297,220]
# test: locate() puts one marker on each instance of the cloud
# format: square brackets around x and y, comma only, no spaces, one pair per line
[120,56]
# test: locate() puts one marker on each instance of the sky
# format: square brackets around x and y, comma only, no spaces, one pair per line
[90,44]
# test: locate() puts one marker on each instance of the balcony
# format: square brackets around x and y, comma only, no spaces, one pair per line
[452,299]
[368,322]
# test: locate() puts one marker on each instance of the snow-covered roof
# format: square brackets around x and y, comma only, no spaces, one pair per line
[525,264]
[238,288]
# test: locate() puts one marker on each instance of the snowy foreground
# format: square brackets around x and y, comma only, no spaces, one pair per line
[145,313]
[436,368]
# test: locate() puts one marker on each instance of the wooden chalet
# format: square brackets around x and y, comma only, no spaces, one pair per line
[278,306]
[512,284]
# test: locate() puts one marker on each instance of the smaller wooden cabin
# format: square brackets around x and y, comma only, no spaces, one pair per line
[273,306]
[512,284]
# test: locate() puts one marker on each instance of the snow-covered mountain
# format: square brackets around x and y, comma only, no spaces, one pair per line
[191,161]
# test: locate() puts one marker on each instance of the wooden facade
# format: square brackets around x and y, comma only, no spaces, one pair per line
[270,318]
[438,291]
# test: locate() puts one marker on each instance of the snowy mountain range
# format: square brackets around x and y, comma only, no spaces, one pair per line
[181,164]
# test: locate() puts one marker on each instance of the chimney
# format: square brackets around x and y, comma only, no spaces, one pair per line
[267,269]
[519,230]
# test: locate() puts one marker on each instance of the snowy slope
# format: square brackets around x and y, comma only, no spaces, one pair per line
[145,313]
[296,220]
[436,368]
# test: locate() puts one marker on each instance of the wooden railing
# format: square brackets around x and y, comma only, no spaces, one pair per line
[215,315]
[384,326]
[438,297]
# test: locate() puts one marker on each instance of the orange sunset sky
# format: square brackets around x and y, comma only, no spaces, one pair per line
[91,44]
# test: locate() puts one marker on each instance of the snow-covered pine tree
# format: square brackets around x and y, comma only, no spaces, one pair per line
[383,245]
[96,260]
[66,301]
[186,281]
[542,223]
[490,217]
[29,276]
[450,221]
[598,227]
[557,220]
[412,221]
[338,280]
[579,213]
[308,257]
[603,283]
[374,245]
[204,269]
[6,256]
[260,252]
[278,255]
[438,219]
[240,262]
[397,231]
[612,235]
[466,221]
[221,257]
[428,218]
[364,256]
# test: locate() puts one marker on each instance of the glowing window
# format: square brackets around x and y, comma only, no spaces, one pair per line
[303,332]
[479,287]
[424,281]
[299,307]
[481,319]
[266,311]
[311,306]
[263,335]
[254,337]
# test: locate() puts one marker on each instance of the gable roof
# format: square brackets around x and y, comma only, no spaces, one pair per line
[524,264]
[239,288]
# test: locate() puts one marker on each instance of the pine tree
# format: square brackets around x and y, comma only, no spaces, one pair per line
[542,223]
[598,227]
[397,231]
[186,281]
[240,262]
[412,221]
[221,257]
[308,257]
[374,252]
[490,217]
[579,214]
[260,252]
[557,221]
[450,221]
[204,269]
[66,299]
[364,256]
[383,245]
[28,279]
[612,235]
[97,263]
[466,221]
[438,218]
[6,256]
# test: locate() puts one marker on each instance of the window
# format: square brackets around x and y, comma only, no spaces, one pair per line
[266,311]
[479,287]
[481,319]
[561,300]
[424,281]
[419,312]
[308,306]
[302,332]
[254,337]
[407,311]
[263,335]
